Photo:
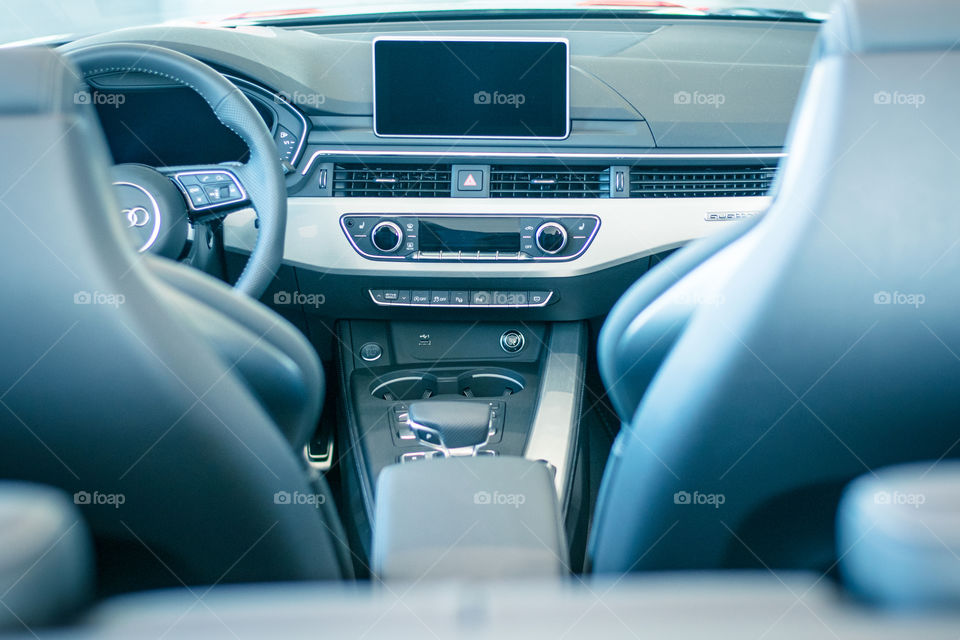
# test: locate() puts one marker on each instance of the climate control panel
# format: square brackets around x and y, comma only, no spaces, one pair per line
[470,238]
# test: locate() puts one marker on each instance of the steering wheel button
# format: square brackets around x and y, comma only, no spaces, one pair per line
[196,195]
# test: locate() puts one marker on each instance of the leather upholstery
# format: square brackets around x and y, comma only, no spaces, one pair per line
[629,361]
[106,386]
[830,348]
[468,518]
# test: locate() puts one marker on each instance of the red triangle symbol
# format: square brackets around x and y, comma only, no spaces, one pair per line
[470,181]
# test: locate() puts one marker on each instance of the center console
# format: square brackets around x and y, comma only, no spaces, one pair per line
[419,390]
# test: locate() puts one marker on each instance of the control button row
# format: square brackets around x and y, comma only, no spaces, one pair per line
[445,298]
[471,255]
[206,189]
[414,456]
[287,143]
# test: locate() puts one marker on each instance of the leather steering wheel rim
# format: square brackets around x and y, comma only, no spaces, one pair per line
[261,176]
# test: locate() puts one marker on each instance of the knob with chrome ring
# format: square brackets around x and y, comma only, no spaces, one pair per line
[551,237]
[386,236]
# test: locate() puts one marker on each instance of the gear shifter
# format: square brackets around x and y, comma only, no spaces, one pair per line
[453,427]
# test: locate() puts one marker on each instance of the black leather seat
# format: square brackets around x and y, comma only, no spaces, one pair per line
[799,351]
[149,390]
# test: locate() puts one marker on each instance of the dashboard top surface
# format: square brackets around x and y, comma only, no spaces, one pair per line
[638,84]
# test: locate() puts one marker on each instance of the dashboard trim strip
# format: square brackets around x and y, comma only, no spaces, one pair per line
[556,422]
[778,155]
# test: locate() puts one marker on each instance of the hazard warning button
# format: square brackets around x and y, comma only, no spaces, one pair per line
[469,180]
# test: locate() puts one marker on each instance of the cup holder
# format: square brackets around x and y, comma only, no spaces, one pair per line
[407,385]
[420,385]
[489,383]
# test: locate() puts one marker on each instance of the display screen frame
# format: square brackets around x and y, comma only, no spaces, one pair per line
[564,42]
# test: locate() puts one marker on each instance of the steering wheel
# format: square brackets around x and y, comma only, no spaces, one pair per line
[157,204]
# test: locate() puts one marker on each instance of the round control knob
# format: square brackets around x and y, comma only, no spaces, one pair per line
[551,237]
[386,236]
[511,341]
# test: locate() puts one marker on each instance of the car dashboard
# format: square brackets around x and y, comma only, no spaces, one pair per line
[430,265]
[676,126]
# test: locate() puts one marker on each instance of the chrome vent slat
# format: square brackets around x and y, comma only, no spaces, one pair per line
[701,182]
[391,181]
[549,182]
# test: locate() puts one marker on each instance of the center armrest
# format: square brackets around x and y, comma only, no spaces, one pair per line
[486,517]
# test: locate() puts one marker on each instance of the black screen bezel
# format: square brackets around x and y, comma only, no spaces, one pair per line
[448,41]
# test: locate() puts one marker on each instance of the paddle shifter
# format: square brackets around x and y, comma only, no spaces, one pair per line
[453,427]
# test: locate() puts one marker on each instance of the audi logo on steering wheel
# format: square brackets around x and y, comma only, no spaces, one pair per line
[137,216]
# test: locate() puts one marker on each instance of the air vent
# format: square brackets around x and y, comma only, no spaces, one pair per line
[391,181]
[549,182]
[700,182]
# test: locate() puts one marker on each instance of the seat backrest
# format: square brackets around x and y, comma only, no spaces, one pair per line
[105,392]
[832,348]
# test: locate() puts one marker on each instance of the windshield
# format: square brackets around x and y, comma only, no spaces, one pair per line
[22,21]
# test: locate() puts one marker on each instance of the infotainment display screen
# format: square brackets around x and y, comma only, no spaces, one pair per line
[470,235]
[471,87]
